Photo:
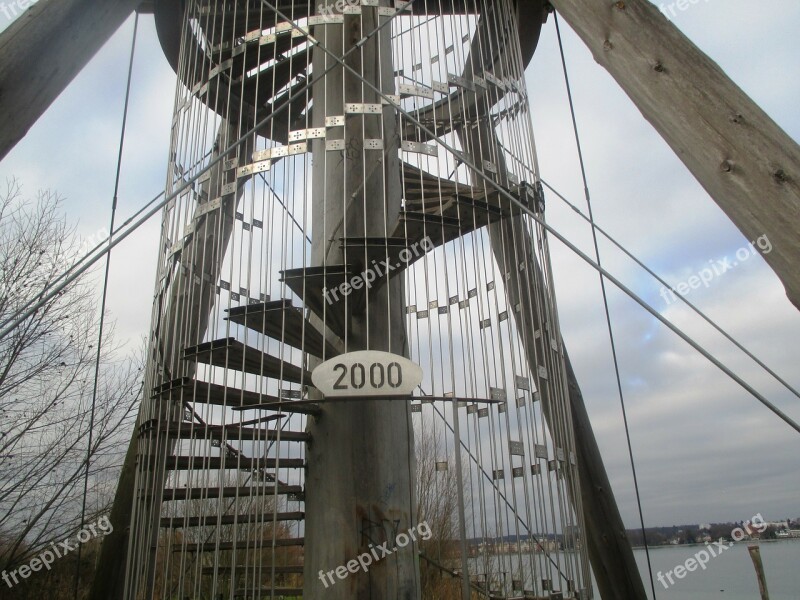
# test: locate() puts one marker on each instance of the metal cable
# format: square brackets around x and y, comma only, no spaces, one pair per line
[683,298]
[605,304]
[101,326]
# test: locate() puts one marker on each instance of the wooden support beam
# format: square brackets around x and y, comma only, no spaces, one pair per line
[42,52]
[609,550]
[361,460]
[743,159]
[185,301]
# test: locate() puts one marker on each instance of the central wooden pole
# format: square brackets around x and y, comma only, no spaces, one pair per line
[360,476]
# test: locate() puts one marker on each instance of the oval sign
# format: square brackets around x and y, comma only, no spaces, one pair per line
[367,373]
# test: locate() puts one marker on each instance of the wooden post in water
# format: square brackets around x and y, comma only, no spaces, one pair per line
[755,554]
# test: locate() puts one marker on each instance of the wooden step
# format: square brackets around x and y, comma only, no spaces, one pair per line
[218,463]
[269,593]
[473,206]
[461,214]
[259,420]
[314,286]
[364,252]
[186,389]
[419,184]
[250,54]
[274,78]
[237,19]
[230,353]
[209,493]
[230,433]
[281,321]
[416,226]
[302,407]
[261,569]
[370,255]
[245,545]
[214,520]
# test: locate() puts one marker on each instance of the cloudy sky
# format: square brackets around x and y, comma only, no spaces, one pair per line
[705,449]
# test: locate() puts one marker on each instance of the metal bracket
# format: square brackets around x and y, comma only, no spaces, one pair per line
[223,66]
[460,82]
[326,20]
[420,148]
[407,89]
[362,108]
[373,144]
[497,393]
[334,145]
[229,188]
[251,169]
[207,207]
[531,195]
[307,134]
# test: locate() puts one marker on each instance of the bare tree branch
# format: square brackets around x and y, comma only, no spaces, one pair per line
[46,381]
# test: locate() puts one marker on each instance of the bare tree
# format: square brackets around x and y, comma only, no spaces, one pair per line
[46,378]
[437,505]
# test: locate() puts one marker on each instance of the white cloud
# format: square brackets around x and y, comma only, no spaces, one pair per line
[695,433]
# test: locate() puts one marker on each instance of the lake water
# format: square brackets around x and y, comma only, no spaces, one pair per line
[730,576]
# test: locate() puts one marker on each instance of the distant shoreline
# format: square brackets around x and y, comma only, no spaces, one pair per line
[703,544]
